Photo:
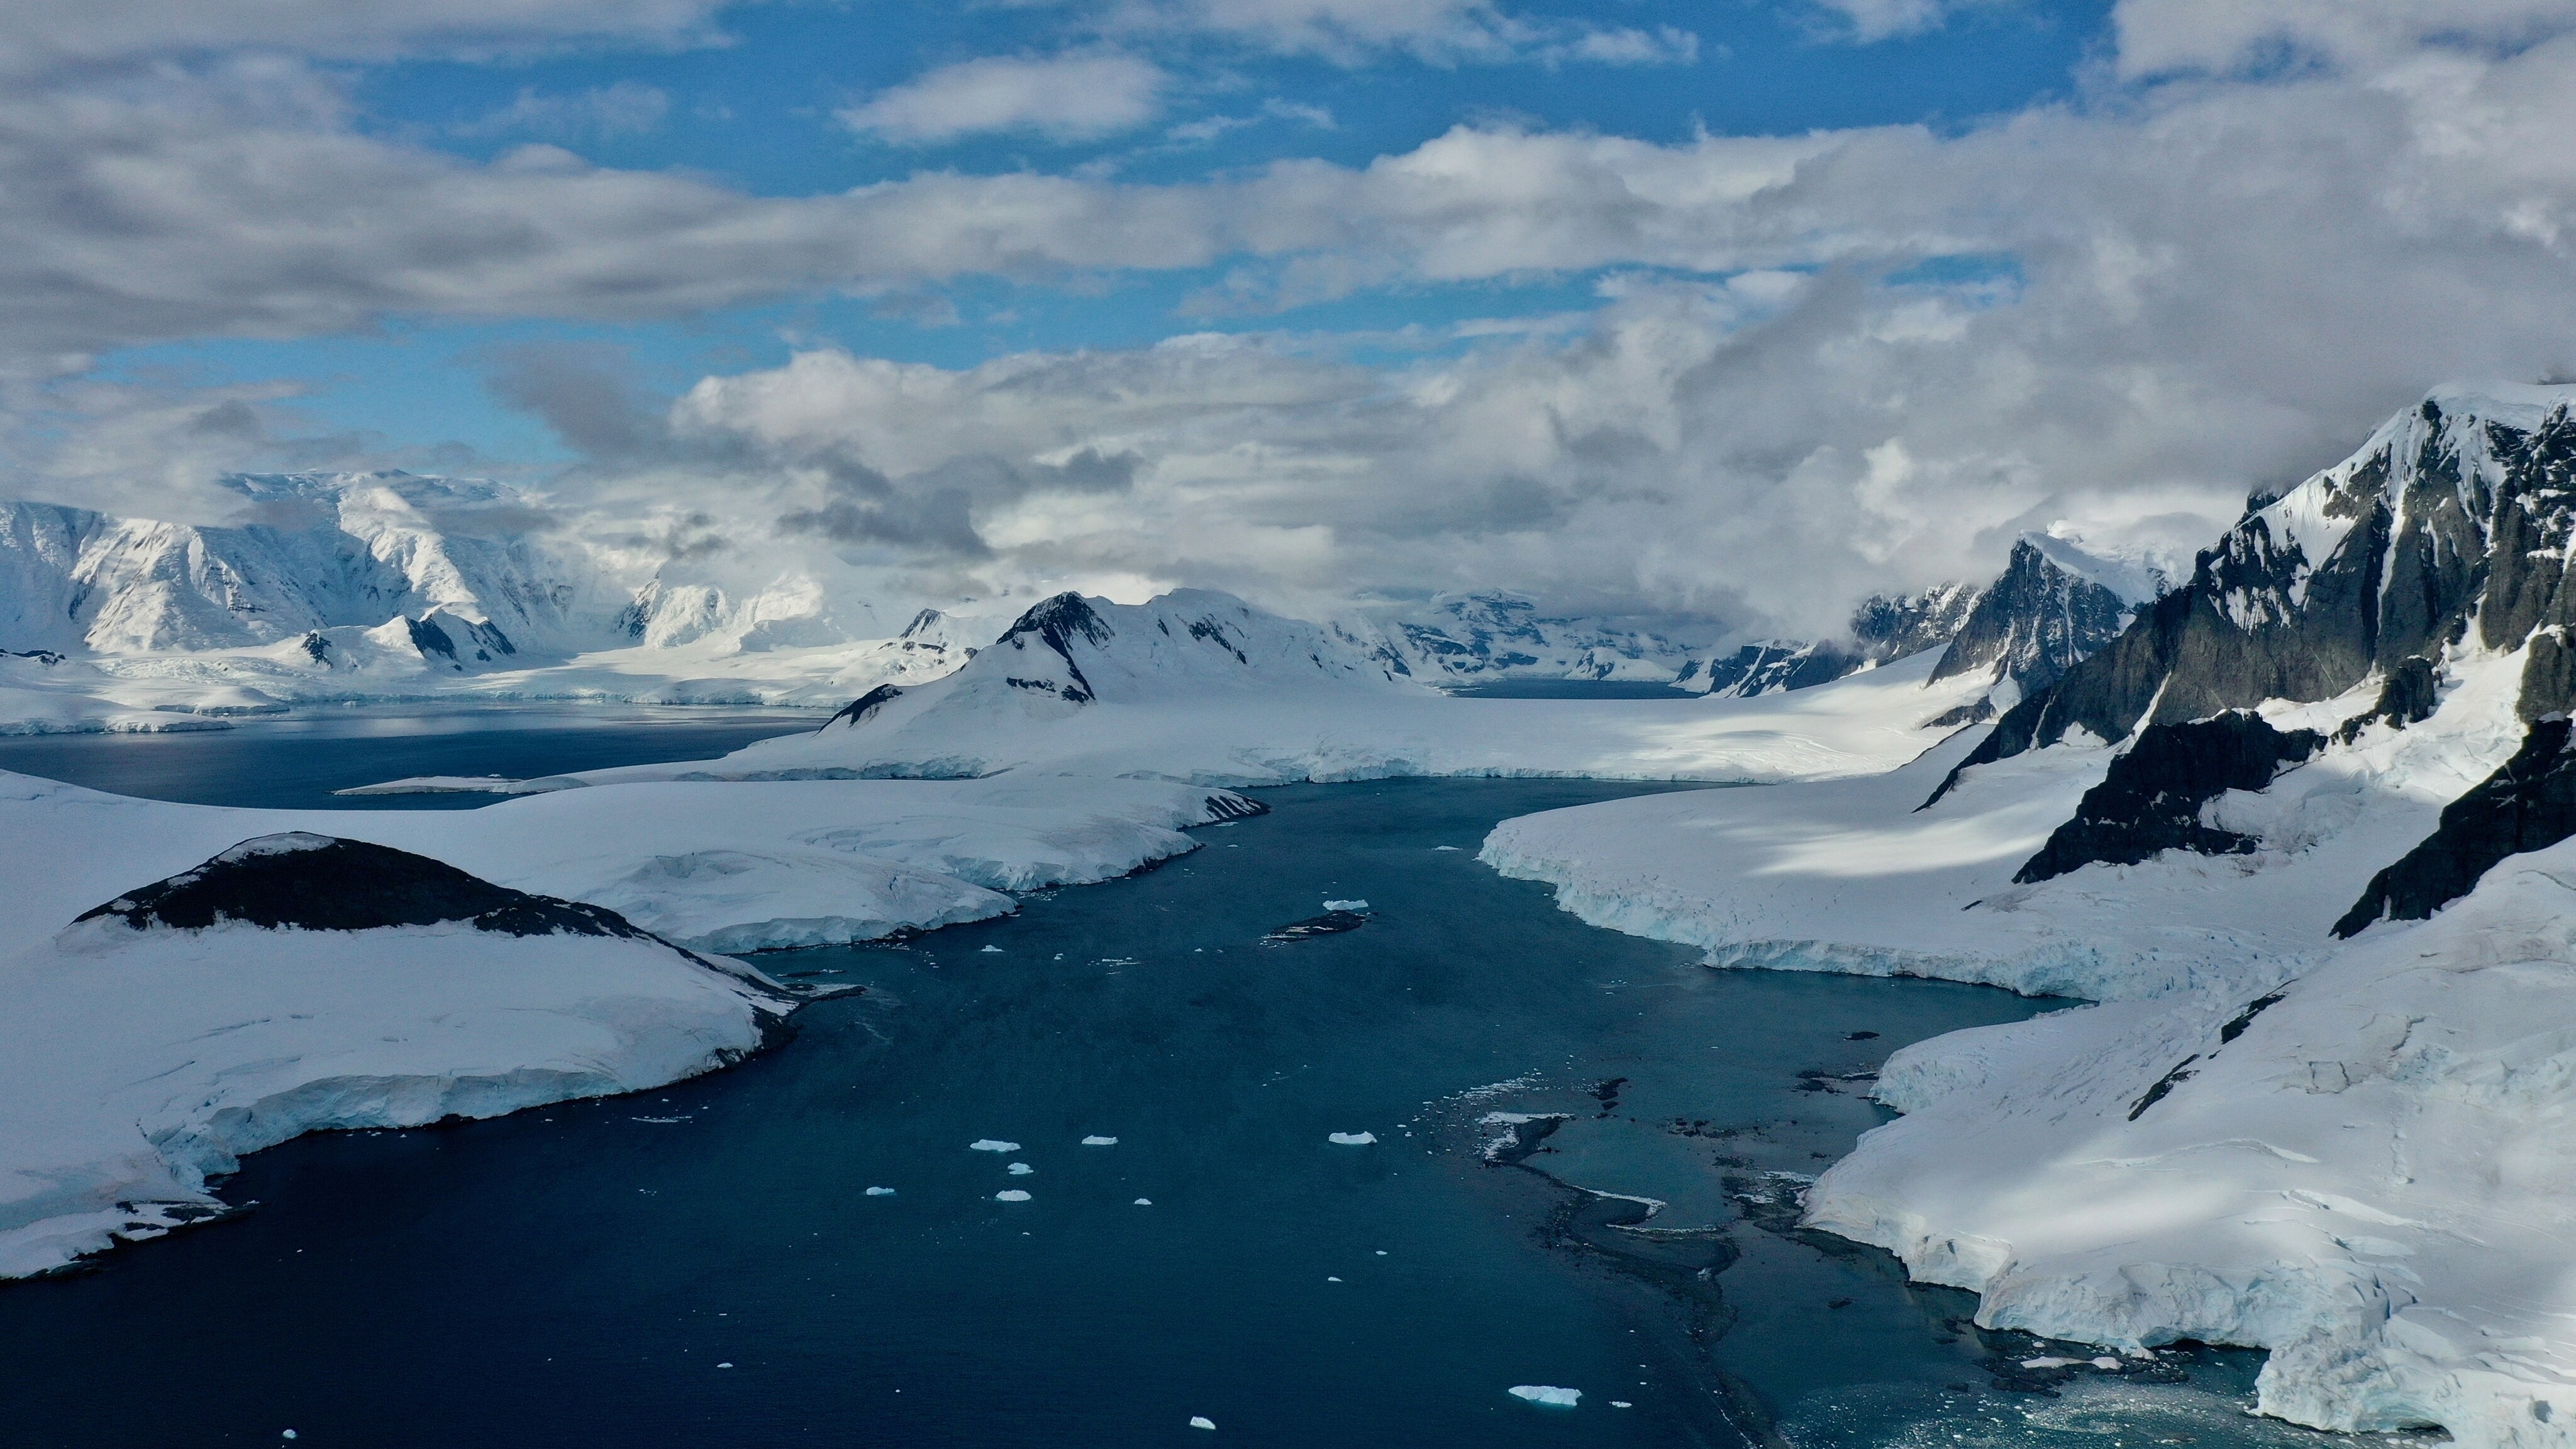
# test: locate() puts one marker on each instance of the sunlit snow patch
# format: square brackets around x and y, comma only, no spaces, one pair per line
[1352,1139]
[1547,1395]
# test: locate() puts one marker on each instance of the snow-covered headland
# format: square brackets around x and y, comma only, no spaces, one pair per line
[138,1059]
[2305,1118]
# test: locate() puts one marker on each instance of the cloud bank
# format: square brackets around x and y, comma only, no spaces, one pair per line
[1815,364]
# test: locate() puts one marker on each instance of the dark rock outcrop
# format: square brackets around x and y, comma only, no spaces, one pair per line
[856,712]
[1054,624]
[2529,804]
[300,881]
[1230,806]
[2152,796]
[2407,696]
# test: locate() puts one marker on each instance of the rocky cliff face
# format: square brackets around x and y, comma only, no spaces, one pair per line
[2039,619]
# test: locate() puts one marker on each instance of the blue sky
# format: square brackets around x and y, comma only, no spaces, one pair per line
[756,108]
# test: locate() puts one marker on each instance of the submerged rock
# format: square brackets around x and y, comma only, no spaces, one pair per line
[1328,924]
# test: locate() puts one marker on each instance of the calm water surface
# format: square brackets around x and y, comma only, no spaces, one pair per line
[703,1265]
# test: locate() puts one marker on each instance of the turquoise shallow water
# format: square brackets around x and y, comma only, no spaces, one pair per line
[704,1265]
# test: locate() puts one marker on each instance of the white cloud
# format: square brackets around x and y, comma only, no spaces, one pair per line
[2159,36]
[1071,97]
[36,34]
[1442,32]
[625,108]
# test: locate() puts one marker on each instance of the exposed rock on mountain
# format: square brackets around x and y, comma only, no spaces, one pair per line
[2151,798]
[2038,619]
[2529,804]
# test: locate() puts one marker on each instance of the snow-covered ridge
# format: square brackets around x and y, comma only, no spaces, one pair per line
[1203,688]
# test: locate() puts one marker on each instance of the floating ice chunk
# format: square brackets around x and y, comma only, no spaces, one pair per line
[289,1434]
[1346,905]
[1096,1141]
[1381,1252]
[991,1144]
[880,1192]
[1021,1169]
[1144,1202]
[1444,847]
[2106,1363]
[1621,1404]
[990,951]
[1197,1421]
[1547,1395]
[724,1365]
[1010,1194]
[1352,1139]
[2050,1362]
[1330,1279]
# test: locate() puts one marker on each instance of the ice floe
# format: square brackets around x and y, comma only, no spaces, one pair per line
[1547,1395]
[1352,1139]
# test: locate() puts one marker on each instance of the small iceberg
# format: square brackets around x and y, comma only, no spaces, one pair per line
[1021,1169]
[1010,1194]
[1198,1421]
[991,1144]
[1346,905]
[880,1192]
[990,951]
[1099,1141]
[1352,1139]
[1547,1395]
[1144,1202]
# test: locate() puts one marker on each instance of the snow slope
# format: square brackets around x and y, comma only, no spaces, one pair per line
[1203,688]
[2369,1176]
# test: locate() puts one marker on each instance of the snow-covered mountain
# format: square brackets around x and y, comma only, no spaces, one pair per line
[1481,637]
[393,586]
[2053,604]
[2304,826]
[357,550]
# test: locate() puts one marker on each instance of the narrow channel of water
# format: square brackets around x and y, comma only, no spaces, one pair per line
[706,1266]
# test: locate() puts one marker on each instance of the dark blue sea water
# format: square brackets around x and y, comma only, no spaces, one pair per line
[703,1265]
[296,761]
